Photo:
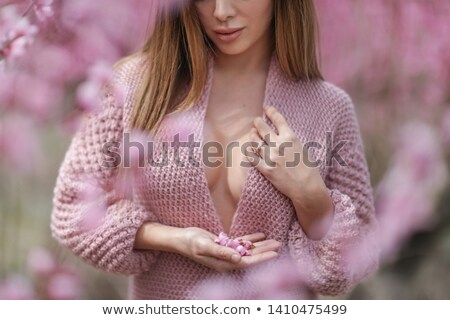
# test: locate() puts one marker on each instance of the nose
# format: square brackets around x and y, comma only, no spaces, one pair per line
[224,10]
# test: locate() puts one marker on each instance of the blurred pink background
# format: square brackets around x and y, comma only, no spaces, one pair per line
[392,57]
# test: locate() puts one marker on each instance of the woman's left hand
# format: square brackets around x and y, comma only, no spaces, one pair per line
[281,161]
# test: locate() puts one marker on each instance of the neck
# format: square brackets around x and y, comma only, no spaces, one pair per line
[254,60]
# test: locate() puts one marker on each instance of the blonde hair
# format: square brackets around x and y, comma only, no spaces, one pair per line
[176,58]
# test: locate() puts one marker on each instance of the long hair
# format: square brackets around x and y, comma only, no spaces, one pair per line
[176,58]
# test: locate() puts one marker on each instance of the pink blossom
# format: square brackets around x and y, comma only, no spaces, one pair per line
[17,33]
[404,66]
[358,256]
[41,262]
[241,246]
[99,78]
[64,285]
[93,201]
[29,94]
[407,194]
[53,64]
[133,155]
[89,92]
[278,279]
[222,239]
[88,96]
[217,288]
[43,9]
[16,287]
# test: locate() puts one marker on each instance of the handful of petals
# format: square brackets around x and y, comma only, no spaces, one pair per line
[241,246]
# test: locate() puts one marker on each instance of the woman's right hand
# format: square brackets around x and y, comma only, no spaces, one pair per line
[199,246]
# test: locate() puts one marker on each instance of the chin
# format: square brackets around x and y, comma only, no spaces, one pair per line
[232,51]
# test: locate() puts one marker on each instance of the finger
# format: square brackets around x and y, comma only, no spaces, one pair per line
[250,153]
[245,262]
[254,136]
[254,237]
[261,160]
[252,260]
[264,130]
[256,140]
[217,264]
[264,242]
[278,120]
[221,252]
[264,246]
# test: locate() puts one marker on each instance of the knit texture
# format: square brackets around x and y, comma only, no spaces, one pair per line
[179,196]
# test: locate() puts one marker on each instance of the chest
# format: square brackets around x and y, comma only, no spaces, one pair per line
[226,132]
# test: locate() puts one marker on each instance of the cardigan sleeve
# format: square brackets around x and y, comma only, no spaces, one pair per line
[110,245]
[349,252]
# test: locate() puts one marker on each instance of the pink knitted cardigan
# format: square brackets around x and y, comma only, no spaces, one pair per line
[179,196]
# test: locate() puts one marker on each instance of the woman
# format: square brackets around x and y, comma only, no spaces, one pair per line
[216,67]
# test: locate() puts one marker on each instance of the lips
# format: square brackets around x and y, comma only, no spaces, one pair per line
[227,31]
[228,34]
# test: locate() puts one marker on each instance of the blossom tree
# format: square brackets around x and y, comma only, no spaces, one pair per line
[393,58]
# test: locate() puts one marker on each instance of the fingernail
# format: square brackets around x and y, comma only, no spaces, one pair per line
[235,258]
